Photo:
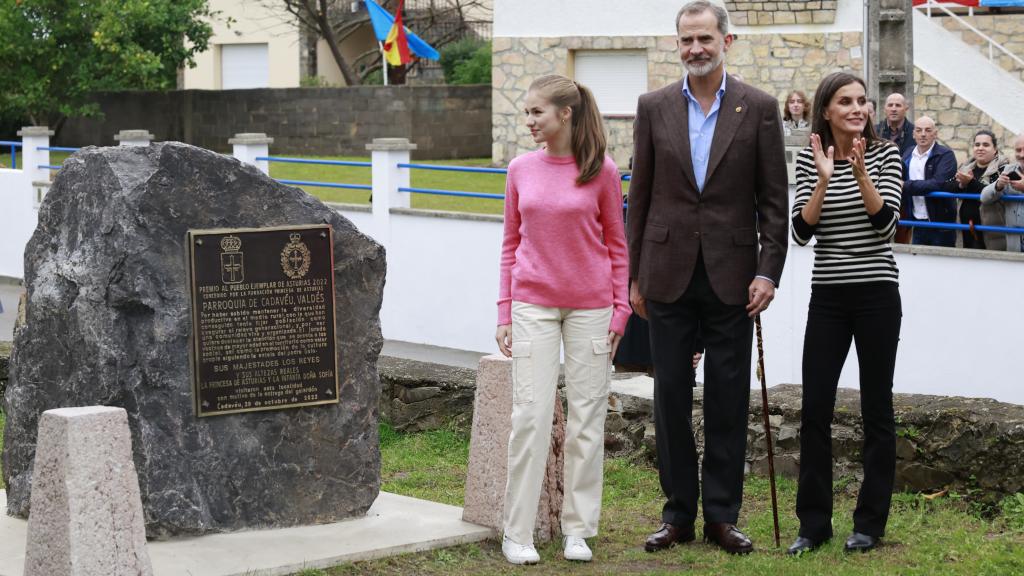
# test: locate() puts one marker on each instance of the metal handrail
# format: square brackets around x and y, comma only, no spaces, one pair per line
[955,226]
[453,193]
[991,43]
[327,184]
[459,193]
[57,149]
[286,160]
[476,169]
[963,196]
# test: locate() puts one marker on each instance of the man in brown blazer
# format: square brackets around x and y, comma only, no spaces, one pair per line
[708,228]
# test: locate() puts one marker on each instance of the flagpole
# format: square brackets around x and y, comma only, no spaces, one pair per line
[383,62]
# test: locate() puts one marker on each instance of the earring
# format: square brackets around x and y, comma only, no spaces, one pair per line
[563,121]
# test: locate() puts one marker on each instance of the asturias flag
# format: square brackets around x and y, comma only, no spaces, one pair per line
[383,27]
[396,46]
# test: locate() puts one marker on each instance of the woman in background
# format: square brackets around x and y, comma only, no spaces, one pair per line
[796,112]
[981,170]
[564,281]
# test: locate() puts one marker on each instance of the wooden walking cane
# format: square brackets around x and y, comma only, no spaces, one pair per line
[767,425]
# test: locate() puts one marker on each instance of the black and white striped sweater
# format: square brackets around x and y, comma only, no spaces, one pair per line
[851,246]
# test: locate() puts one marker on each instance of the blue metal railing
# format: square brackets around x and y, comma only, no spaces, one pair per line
[342,185]
[326,184]
[14,153]
[476,169]
[460,193]
[57,149]
[456,193]
[963,196]
[958,226]
[313,161]
[453,193]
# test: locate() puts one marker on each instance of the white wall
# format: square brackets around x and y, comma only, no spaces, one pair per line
[962,316]
[17,221]
[544,18]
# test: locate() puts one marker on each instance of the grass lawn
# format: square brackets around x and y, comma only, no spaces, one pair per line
[943,536]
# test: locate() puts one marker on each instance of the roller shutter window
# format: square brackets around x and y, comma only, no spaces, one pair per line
[616,77]
[244,66]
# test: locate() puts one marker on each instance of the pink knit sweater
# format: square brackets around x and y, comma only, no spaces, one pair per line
[564,245]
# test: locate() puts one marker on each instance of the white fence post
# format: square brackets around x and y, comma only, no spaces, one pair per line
[133,137]
[248,146]
[32,139]
[386,155]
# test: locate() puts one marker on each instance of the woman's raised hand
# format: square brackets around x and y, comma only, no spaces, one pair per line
[823,161]
[857,158]
[964,178]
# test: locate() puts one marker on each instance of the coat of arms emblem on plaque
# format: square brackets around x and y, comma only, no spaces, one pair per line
[295,257]
[232,262]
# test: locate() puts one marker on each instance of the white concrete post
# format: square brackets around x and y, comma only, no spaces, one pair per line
[386,155]
[248,146]
[134,137]
[32,139]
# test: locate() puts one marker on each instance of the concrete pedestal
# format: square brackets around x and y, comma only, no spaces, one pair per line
[488,454]
[86,517]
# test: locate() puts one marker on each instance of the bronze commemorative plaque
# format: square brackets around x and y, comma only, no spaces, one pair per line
[262,318]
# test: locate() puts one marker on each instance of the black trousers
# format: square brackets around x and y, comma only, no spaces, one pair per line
[870,315]
[726,331]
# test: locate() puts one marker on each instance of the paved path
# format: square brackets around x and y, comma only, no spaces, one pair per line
[393,525]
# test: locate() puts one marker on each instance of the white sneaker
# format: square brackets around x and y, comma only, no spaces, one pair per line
[575,548]
[517,553]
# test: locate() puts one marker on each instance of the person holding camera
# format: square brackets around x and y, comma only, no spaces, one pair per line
[1010,181]
[925,168]
[983,169]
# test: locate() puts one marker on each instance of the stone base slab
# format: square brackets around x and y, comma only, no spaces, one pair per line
[393,525]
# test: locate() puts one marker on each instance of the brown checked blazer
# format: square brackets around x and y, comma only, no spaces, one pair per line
[744,203]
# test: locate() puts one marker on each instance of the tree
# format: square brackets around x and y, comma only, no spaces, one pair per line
[467,61]
[55,53]
[438,22]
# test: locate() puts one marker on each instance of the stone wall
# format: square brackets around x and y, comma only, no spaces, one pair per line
[445,121]
[761,13]
[775,63]
[942,442]
[957,119]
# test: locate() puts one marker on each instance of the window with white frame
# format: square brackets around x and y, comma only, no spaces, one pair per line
[616,77]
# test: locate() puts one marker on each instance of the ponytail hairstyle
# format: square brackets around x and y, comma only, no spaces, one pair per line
[588,141]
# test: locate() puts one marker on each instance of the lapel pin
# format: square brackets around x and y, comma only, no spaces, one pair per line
[739,108]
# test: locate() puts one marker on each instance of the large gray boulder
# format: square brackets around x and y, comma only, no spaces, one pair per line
[108,323]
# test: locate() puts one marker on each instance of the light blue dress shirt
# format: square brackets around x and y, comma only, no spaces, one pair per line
[702,130]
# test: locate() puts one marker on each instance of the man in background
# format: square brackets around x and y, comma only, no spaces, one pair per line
[894,126]
[925,167]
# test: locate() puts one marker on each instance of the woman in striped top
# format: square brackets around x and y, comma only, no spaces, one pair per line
[848,196]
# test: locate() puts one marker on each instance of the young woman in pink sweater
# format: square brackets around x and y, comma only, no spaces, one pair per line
[564,281]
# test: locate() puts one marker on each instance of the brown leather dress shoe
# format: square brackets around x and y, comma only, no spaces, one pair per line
[728,537]
[668,536]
